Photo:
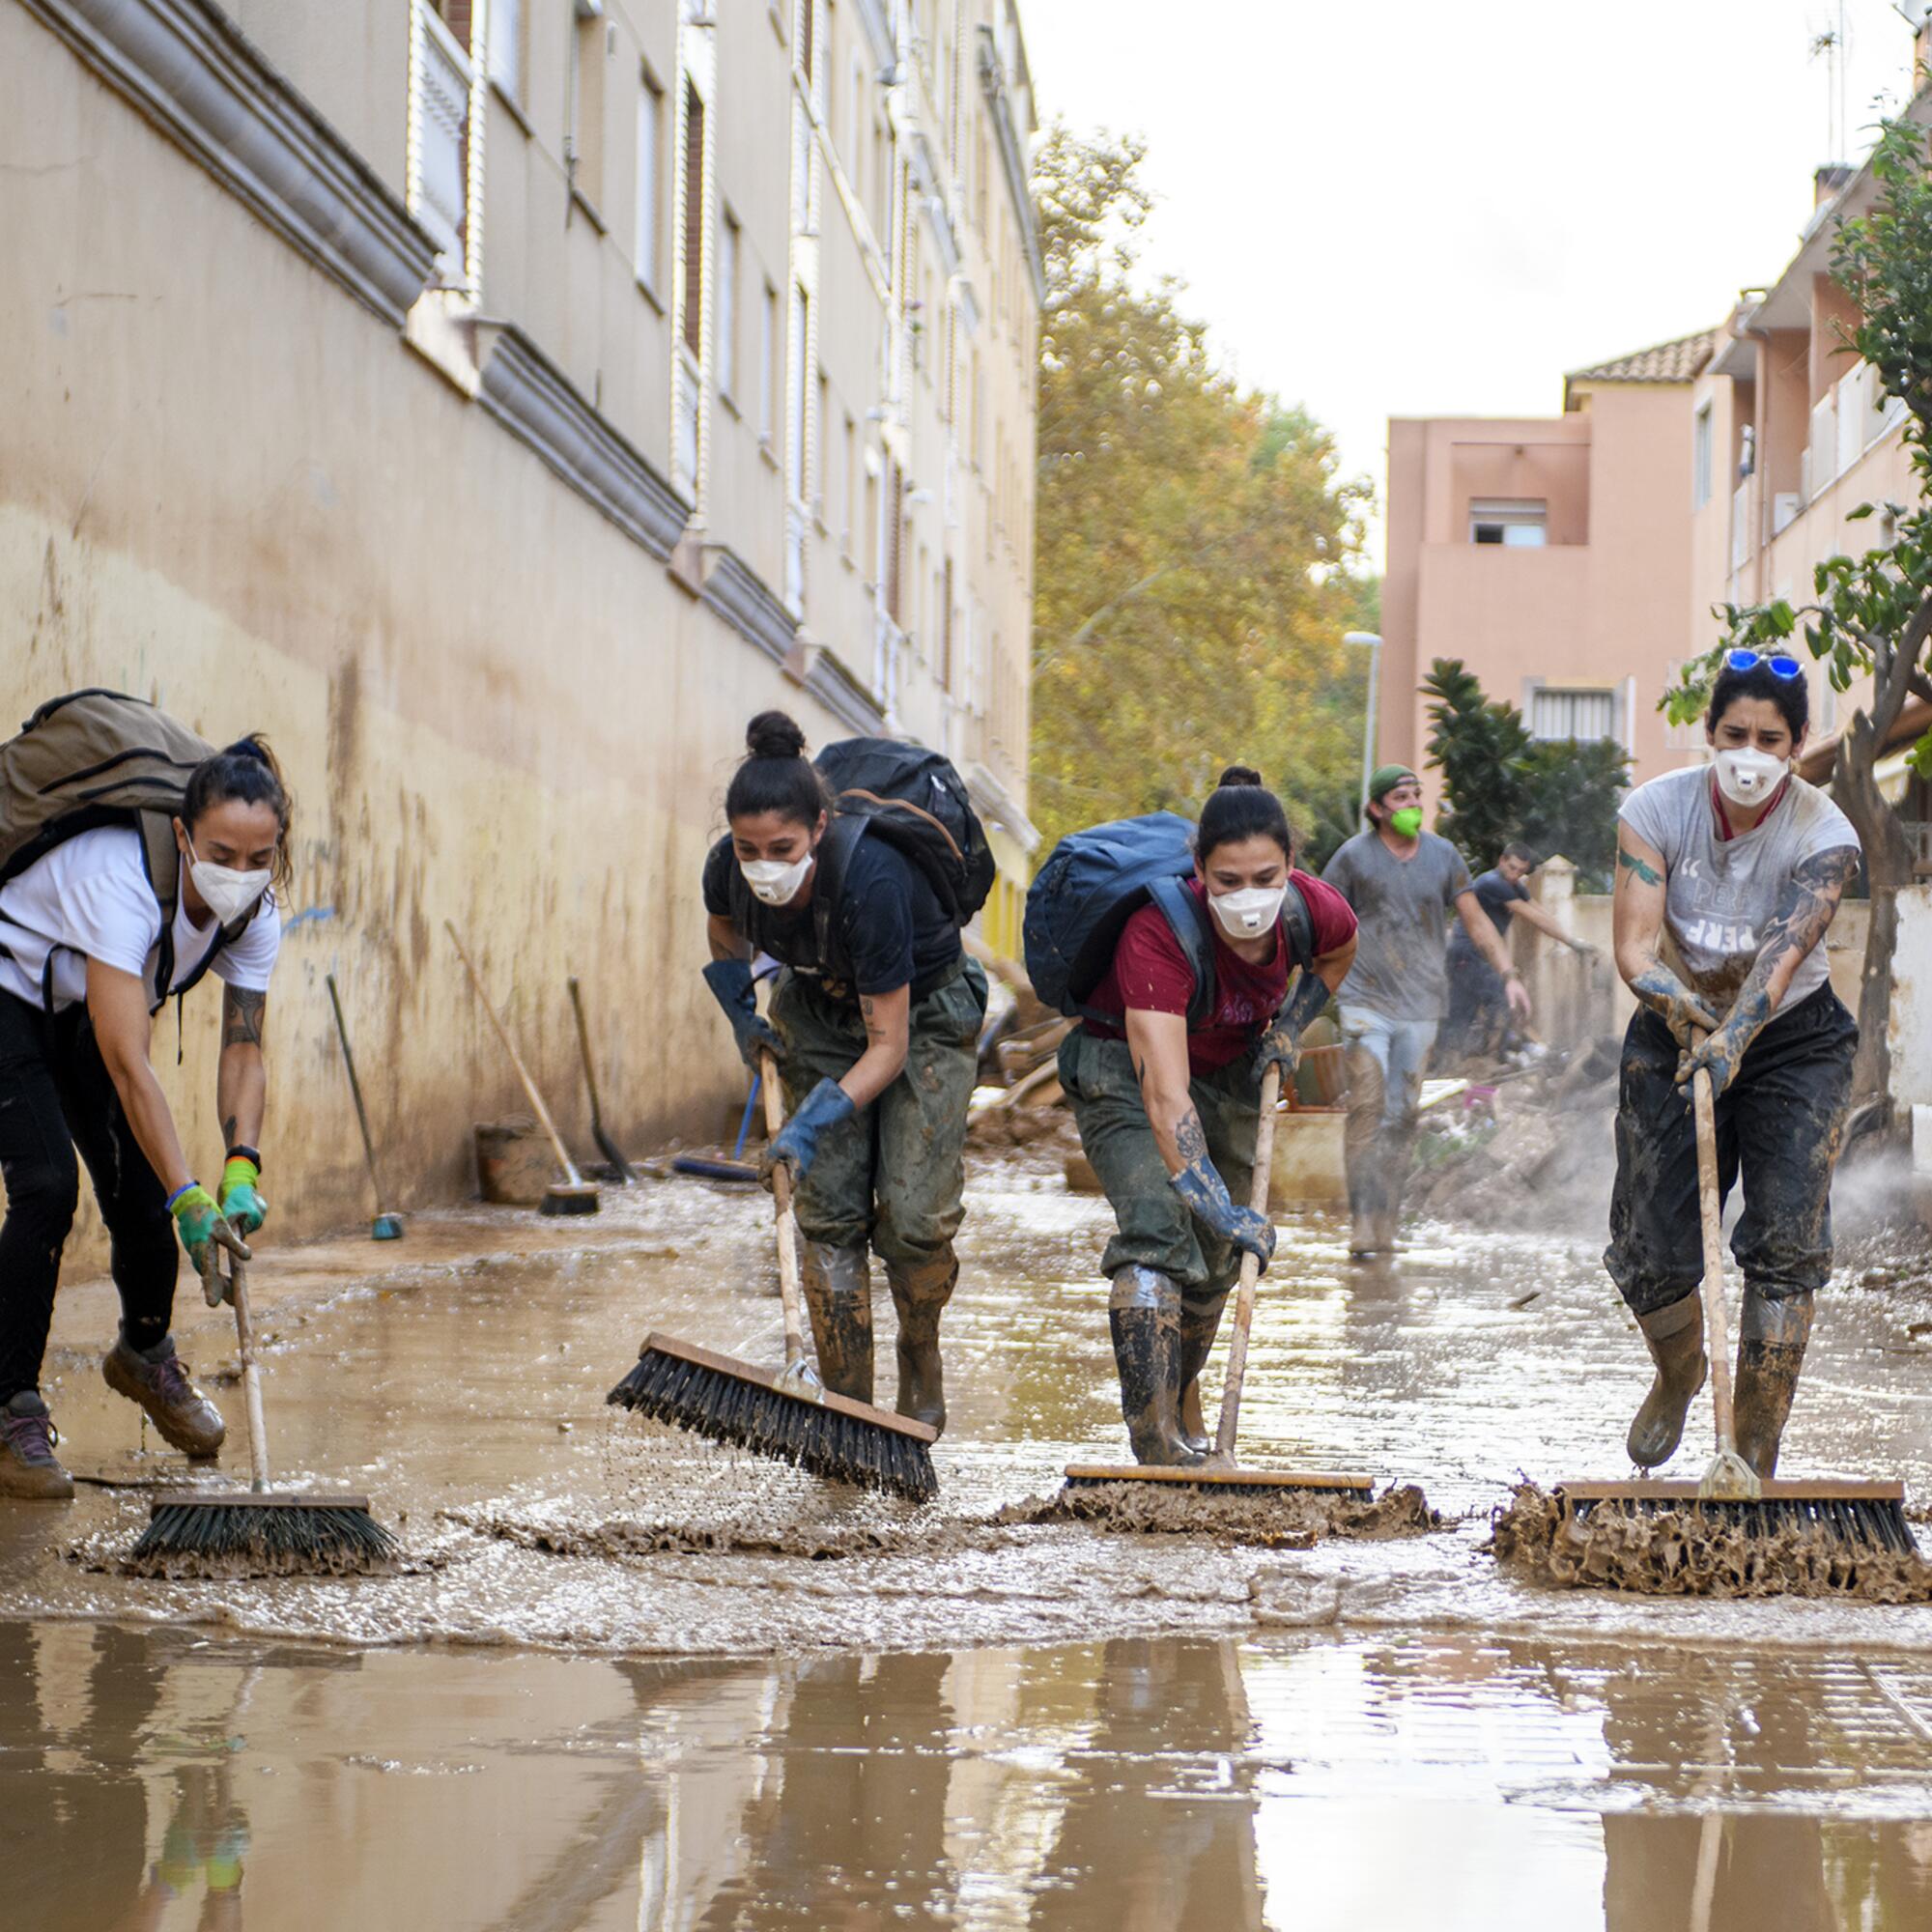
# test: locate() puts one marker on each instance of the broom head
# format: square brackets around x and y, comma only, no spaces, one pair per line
[1231,1480]
[775,1413]
[279,1531]
[570,1197]
[1871,1515]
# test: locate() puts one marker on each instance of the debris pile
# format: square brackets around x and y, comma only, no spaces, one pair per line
[1281,1520]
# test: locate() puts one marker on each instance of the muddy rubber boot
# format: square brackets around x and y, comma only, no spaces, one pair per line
[1200,1322]
[28,1469]
[920,1291]
[157,1378]
[1675,1339]
[1360,1134]
[1771,1337]
[837,1285]
[1144,1313]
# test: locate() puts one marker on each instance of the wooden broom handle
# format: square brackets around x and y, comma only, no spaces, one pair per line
[1260,1186]
[252,1378]
[788,1228]
[1711,1215]
[563,1159]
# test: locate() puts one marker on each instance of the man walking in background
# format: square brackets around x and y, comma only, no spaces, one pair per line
[1401,880]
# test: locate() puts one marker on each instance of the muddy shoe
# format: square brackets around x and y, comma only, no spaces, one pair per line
[28,1469]
[1675,1339]
[1143,1314]
[158,1381]
[1772,1339]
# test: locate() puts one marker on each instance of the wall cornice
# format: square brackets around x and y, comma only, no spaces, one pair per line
[190,71]
[740,596]
[531,398]
[841,693]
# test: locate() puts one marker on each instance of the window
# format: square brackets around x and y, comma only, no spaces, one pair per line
[584,140]
[1573,714]
[768,361]
[694,221]
[1700,459]
[851,484]
[439,185]
[818,444]
[806,10]
[1516,523]
[728,304]
[507,47]
[798,429]
[946,625]
[651,152]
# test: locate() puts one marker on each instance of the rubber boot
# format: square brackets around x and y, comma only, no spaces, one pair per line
[1361,1132]
[1771,1336]
[1675,1339]
[1200,1322]
[1144,1313]
[920,1291]
[838,1296]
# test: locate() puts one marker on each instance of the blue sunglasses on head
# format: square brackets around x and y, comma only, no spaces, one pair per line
[1748,659]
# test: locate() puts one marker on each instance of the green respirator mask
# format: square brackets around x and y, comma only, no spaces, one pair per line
[1408,822]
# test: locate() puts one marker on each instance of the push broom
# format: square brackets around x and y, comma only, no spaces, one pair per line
[786,1414]
[1221,1474]
[1731,1493]
[280,1529]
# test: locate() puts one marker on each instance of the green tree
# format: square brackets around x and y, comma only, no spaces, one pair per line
[1570,791]
[1871,614]
[1191,538]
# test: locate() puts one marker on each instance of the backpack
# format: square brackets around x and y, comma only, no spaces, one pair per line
[1094,881]
[99,757]
[914,799]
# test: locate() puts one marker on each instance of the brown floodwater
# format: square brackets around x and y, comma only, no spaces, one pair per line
[625,1678]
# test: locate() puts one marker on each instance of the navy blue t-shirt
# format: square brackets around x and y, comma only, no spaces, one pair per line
[888,924]
[1498,897]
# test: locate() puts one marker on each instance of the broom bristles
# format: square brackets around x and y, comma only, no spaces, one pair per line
[750,1414]
[1872,1523]
[283,1536]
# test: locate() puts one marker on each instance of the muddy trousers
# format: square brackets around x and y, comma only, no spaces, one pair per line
[1386,1061]
[1780,1123]
[56,1097]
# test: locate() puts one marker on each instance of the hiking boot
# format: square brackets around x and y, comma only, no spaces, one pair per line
[27,1466]
[157,1378]
[838,1286]
[1675,1339]
[1200,1322]
[920,1291]
[1771,1336]
[1143,1314]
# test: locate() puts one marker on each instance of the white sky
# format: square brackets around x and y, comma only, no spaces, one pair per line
[1416,207]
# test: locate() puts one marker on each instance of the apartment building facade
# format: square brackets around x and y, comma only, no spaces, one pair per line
[497,401]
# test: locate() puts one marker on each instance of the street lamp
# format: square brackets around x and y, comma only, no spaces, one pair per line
[1374,645]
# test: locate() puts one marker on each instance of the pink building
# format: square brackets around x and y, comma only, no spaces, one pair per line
[1552,555]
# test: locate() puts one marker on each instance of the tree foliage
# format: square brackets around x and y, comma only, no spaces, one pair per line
[1190,593]
[1498,783]
[1870,617]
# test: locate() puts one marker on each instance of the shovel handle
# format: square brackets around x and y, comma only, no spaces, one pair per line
[788,1228]
[1260,1186]
[584,1041]
[1710,1215]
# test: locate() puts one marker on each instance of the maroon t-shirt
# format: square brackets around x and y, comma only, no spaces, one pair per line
[1151,975]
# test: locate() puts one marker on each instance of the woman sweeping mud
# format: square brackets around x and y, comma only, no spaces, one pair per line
[1167,1112]
[1743,863]
[875,1021]
[88,955]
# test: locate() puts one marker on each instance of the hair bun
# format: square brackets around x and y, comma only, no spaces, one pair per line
[249,747]
[771,734]
[1238,775]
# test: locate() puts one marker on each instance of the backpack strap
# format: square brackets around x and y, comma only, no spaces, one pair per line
[161,859]
[828,893]
[1299,926]
[1188,919]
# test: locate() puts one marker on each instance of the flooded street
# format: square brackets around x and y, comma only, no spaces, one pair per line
[626,1679]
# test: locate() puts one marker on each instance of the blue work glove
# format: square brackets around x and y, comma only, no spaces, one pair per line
[796,1143]
[1281,1044]
[731,984]
[201,1229]
[242,1203]
[1209,1203]
[1721,1053]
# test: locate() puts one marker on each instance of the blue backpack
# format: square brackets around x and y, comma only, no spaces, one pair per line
[1094,881]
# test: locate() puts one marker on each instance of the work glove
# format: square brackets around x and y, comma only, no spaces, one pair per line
[1722,1051]
[1674,1003]
[1281,1043]
[731,984]
[796,1143]
[1211,1204]
[201,1228]
[242,1206]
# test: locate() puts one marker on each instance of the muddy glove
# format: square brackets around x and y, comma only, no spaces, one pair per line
[1281,1044]
[242,1206]
[796,1143]
[1209,1203]
[1723,1051]
[1674,1003]
[731,984]
[201,1226]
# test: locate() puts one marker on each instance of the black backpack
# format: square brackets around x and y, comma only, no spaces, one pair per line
[1094,881]
[914,799]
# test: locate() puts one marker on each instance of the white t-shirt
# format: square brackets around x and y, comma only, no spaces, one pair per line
[89,899]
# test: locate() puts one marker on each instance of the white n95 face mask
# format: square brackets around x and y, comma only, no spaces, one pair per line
[1747,776]
[226,892]
[1247,915]
[772,881]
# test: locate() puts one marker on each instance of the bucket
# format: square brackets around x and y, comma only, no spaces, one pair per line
[514,1162]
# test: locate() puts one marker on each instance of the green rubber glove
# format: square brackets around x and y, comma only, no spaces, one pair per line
[199,1223]
[242,1204]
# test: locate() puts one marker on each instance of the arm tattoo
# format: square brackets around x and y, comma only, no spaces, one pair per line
[241,1015]
[1804,909]
[228,1127]
[1190,1139]
[875,1033]
[1631,863]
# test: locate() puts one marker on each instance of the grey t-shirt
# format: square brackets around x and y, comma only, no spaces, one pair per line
[1399,929]
[1719,892]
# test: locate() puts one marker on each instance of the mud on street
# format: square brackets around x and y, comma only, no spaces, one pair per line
[621,1673]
